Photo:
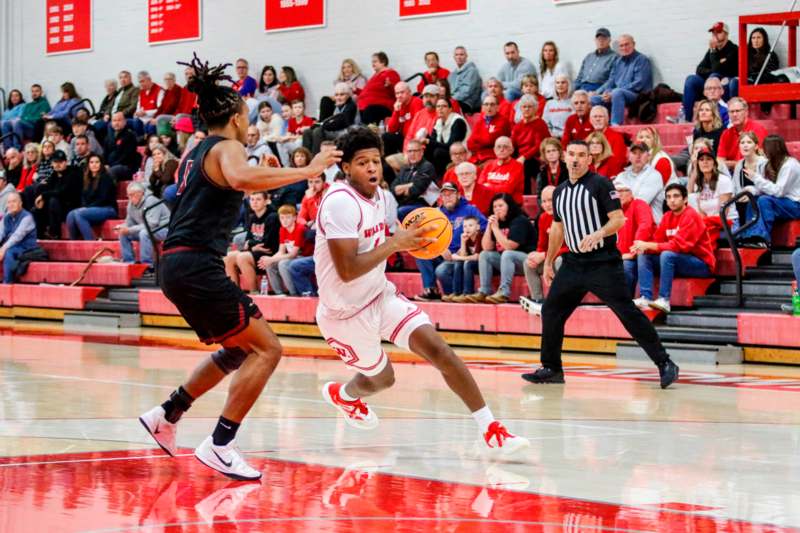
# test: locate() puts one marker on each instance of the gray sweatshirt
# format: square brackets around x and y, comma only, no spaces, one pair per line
[465,84]
[156,217]
[647,186]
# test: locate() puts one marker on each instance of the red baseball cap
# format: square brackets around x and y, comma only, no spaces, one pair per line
[718,27]
[705,150]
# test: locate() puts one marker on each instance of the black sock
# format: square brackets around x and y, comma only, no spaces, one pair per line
[225,431]
[179,402]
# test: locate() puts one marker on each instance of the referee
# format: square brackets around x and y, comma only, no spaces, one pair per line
[587,213]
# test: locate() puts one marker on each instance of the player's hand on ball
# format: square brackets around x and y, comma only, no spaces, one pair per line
[411,238]
[591,241]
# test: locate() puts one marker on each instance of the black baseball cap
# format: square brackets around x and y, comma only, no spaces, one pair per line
[449,186]
[602,32]
[59,155]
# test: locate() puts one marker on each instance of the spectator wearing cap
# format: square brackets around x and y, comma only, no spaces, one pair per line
[422,124]
[404,109]
[17,235]
[504,174]
[489,126]
[630,76]
[465,82]
[512,71]
[136,223]
[456,209]
[639,226]
[728,151]
[643,180]
[57,195]
[721,61]
[596,66]
[184,130]
[680,247]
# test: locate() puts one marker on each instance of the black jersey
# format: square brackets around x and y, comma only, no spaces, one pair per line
[205,213]
[583,207]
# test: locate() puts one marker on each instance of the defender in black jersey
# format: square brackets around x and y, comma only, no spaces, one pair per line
[588,214]
[211,179]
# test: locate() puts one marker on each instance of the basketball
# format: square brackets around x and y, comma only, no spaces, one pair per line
[436,226]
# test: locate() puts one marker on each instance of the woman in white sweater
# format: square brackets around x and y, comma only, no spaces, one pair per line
[778,190]
[557,109]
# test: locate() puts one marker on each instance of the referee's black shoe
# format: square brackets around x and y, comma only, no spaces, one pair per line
[544,375]
[668,372]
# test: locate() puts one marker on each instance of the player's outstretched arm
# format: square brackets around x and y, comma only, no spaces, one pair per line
[351,265]
[239,175]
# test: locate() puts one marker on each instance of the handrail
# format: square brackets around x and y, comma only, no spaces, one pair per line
[2,100]
[151,233]
[413,76]
[731,235]
[76,104]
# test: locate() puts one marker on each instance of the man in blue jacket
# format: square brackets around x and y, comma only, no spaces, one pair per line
[465,82]
[631,75]
[17,235]
[456,209]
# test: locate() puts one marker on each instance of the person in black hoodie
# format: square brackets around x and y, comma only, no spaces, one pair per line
[98,201]
[344,116]
[721,61]
[120,149]
[59,194]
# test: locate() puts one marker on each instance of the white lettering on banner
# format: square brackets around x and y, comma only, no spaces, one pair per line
[68,18]
[55,29]
[416,3]
[293,3]
[69,7]
[54,9]
[56,20]
[55,40]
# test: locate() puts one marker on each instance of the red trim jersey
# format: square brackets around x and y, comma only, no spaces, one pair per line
[508,177]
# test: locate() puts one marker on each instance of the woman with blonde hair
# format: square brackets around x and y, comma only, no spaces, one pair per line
[708,190]
[752,163]
[350,75]
[550,68]
[659,159]
[30,165]
[164,166]
[554,170]
[603,162]
[709,123]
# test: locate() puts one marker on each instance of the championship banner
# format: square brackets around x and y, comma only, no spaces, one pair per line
[68,26]
[429,8]
[283,15]
[170,21]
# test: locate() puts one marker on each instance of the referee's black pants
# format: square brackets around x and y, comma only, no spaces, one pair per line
[607,281]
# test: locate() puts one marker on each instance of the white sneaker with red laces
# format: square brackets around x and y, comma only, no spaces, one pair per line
[356,413]
[500,442]
[162,431]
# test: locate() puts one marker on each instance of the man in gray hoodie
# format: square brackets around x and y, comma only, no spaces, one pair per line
[465,82]
[134,228]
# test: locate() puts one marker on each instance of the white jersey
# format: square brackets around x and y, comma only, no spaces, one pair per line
[345,214]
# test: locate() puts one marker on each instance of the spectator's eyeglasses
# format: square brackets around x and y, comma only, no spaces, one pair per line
[462,152]
[414,150]
[489,104]
[239,67]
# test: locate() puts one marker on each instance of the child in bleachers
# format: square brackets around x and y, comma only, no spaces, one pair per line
[466,261]
[293,243]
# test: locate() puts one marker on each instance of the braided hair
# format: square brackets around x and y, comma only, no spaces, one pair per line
[217,103]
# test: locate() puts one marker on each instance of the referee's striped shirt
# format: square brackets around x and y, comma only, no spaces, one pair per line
[583,208]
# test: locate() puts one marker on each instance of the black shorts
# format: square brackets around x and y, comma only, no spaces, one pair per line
[195,281]
[256,257]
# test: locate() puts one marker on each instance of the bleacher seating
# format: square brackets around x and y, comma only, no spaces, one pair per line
[103,274]
[80,250]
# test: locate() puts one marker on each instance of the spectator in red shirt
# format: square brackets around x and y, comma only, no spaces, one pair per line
[405,107]
[293,139]
[458,154]
[289,87]
[527,135]
[598,116]
[150,98]
[422,124]
[680,246]
[488,128]
[376,100]
[639,226]
[505,108]
[168,108]
[469,188]
[504,174]
[578,125]
[293,243]
[602,161]
[310,204]
[188,100]
[530,85]
[534,264]
[433,72]
[728,152]
[444,92]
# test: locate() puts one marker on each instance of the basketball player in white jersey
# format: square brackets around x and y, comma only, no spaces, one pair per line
[358,306]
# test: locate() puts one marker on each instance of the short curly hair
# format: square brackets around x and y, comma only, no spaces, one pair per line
[356,139]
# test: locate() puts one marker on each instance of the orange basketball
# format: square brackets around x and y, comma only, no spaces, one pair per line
[436,226]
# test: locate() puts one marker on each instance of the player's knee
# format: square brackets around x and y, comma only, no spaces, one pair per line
[229,359]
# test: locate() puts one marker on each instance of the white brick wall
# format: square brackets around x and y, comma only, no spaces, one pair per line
[672,32]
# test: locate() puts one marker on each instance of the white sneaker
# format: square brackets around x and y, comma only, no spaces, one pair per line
[226,460]
[641,302]
[530,306]
[358,414]
[225,502]
[499,442]
[162,431]
[661,304]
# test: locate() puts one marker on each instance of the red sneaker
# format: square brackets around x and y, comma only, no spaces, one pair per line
[500,441]
[356,413]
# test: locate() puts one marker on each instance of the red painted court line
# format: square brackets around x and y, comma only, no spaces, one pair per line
[129,491]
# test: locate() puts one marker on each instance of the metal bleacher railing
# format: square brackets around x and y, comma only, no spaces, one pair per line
[731,235]
[78,105]
[2,100]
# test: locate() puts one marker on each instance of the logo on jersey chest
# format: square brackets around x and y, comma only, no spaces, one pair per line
[378,229]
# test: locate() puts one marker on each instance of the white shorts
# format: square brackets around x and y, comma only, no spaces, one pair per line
[357,339]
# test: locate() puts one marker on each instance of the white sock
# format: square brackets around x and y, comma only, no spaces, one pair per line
[343,394]
[484,418]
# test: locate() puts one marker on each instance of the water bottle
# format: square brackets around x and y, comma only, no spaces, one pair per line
[795,299]
[381,128]
[681,115]
[264,286]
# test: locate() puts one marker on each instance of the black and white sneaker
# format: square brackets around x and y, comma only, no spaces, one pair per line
[534,307]
[162,431]
[226,460]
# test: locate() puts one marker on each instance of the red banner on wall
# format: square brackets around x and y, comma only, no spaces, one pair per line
[169,21]
[427,8]
[282,15]
[68,26]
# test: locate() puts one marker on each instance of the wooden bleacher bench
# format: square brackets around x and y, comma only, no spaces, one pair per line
[76,251]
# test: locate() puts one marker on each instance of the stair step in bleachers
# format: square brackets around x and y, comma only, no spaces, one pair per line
[6,298]
[768,329]
[52,296]
[103,231]
[675,134]
[80,250]
[122,208]
[103,274]
[726,266]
